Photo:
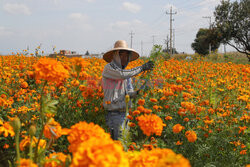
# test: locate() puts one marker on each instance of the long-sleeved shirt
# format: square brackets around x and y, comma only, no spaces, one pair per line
[116,84]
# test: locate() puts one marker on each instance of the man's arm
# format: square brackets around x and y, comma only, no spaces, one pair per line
[113,72]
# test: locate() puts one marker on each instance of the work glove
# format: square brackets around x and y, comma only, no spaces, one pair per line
[148,66]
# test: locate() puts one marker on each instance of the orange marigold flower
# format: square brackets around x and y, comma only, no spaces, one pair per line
[131,124]
[168,118]
[186,119]
[178,143]
[83,131]
[191,136]
[52,129]
[99,152]
[26,163]
[243,152]
[6,129]
[136,112]
[56,160]
[50,70]
[24,85]
[151,124]
[178,128]
[25,143]
[153,100]
[156,157]
[6,146]
[141,102]
[242,129]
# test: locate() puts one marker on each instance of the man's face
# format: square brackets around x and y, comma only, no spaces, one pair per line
[124,57]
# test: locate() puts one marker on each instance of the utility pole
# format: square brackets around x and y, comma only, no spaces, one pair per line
[153,36]
[141,48]
[171,14]
[174,40]
[210,26]
[131,35]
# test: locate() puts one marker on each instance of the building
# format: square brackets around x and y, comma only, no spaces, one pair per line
[66,53]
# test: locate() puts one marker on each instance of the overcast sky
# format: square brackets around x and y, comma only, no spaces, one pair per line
[94,25]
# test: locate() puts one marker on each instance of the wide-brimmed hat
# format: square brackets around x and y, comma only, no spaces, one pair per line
[120,45]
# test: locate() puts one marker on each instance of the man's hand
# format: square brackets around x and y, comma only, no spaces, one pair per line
[148,66]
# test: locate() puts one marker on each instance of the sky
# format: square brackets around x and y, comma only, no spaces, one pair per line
[95,25]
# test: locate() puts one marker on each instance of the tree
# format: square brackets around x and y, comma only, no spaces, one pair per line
[204,37]
[87,53]
[233,22]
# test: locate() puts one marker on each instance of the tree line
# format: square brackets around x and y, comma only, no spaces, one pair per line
[231,27]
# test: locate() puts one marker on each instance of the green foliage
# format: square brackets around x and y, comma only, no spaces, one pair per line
[232,19]
[204,37]
[157,53]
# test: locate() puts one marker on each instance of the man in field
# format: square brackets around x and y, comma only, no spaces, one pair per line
[117,83]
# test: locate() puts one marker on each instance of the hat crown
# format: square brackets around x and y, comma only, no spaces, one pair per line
[121,44]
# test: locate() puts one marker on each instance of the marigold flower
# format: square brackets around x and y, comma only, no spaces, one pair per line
[55,160]
[178,128]
[141,102]
[24,85]
[52,129]
[168,118]
[242,129]
[156,157]
[6,129]
[151,124]
[26,163]
[83,131]
[6,146]
[50,70]
[191,136]
[153,100]
[136,112]
[178,143]
[99,152]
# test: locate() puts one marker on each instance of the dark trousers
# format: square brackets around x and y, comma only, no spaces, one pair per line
[114,120]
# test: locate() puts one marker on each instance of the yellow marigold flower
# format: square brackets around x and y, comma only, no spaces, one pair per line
[191,136]
[83,131]
[55,160]
[26,163]
[99,152]
[178,128]
[156,157]
[151,124]
[50,70]
[6,129]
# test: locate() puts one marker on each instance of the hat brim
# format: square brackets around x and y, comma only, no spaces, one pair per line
[108,56]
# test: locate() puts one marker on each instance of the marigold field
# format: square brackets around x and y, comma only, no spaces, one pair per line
[191,113]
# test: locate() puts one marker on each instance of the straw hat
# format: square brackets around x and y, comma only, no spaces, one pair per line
[120,45]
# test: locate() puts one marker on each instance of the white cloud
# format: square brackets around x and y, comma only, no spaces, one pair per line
[78,17]
[80,20]
[15,8]
[4,31]
[210,2]
[131,7]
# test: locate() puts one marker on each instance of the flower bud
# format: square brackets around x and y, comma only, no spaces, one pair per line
[32,130]
[16,124]
[126,99]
